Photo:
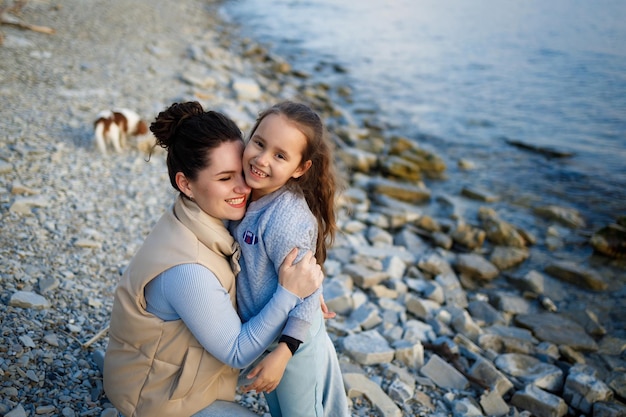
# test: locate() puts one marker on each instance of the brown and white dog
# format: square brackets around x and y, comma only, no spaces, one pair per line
[114,127]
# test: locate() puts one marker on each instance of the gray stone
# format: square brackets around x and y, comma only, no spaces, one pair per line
[434,264]
[484,314]
[532,281]
[394,266]
[510,303]
[400,391]
[366,315]
[418,331]
[444,374]
[359,384]
[109,412]
[486,372]
[493,404]
[476,267]
[27,299]
[368,348]
[557,329]
[17,412]
[452,290]
[531,370]
[246,89]
[539,402]
[608,409]
[463,323]
[421,308]
[582,390]
[411,354]
[364,277]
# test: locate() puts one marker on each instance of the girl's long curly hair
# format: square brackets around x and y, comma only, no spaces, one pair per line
[320,183]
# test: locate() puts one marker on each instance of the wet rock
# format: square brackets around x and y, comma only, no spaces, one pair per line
[505,257]
[476,267]
[403,192]
[426,160]
[572,273]
[532,281]
[468,236]
[479,194]
[357,159]
[610,241]
[566,216]
[398,167]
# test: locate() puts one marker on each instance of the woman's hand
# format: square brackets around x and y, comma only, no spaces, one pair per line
[303,278]
[269,371]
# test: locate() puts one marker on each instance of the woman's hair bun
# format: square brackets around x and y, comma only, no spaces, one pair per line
[167,122]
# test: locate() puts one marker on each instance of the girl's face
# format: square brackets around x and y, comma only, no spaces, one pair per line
[220,189]
[273,155]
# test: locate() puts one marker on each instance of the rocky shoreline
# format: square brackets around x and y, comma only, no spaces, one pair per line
[444,306]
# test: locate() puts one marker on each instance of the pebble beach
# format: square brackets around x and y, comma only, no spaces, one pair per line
[443,307]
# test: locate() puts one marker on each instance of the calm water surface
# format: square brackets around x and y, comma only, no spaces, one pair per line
[468,75]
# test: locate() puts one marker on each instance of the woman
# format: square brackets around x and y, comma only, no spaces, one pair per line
[175,335]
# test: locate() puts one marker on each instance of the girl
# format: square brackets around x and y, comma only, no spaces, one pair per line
[288,164]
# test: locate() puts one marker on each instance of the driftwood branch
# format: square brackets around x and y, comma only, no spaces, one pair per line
[7,19]
[96,337]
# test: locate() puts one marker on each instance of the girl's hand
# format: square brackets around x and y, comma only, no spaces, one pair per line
[327,314]
[269,371]
[303,278]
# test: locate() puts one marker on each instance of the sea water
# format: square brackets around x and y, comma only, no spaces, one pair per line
[467,78]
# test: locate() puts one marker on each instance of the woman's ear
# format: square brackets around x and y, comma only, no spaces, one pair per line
[302,169]
[183,184]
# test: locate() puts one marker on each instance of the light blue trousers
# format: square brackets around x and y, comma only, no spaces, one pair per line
[312,385]
[225,409]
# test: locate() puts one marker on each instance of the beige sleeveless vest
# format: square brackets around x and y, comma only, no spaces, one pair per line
[158,368]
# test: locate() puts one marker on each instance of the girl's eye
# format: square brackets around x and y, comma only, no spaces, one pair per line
[225,178]
[280,156]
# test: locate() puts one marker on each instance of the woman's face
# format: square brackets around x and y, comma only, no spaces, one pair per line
[220,189]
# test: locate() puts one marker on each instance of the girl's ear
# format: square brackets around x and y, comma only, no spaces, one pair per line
[183,184]
[302,169]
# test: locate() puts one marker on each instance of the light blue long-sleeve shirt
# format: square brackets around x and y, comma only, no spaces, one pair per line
[192,292]
[271,228]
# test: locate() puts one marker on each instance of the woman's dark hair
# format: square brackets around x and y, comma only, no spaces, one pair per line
[188,134]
